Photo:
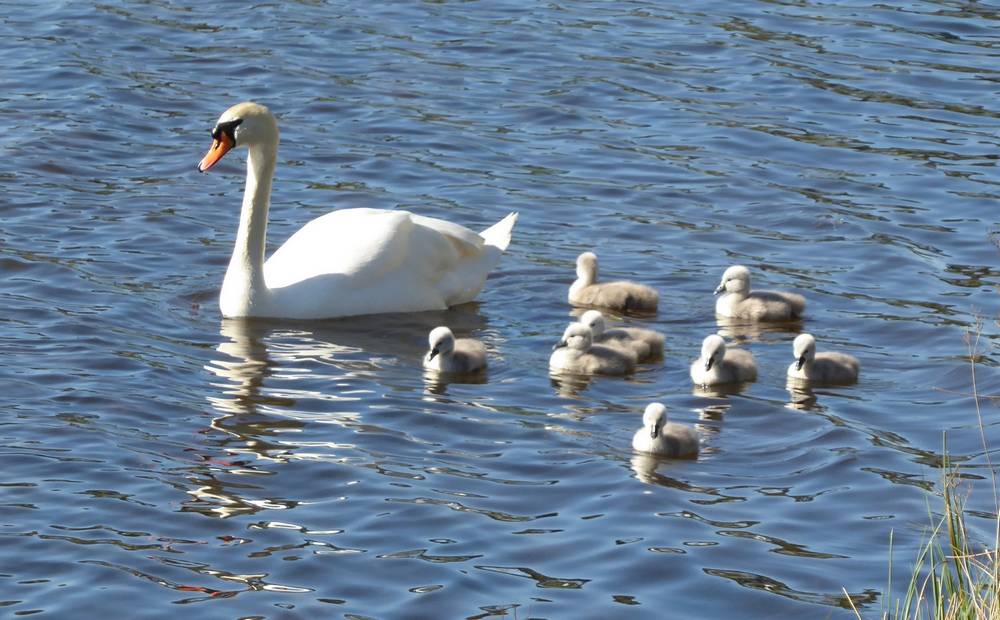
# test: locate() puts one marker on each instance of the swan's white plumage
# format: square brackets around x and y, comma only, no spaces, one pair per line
[347,262]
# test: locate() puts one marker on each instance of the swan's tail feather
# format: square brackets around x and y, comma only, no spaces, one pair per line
[498,235]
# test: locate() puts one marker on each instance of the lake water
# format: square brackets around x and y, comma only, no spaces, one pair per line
[158,460]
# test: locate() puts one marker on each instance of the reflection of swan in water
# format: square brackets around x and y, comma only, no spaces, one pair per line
[353,347]
[721,390]
[742,331]
[437,383]
[569,385]
[259,392]
[800,396]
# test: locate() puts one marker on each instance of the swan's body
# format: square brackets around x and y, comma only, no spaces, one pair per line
[718,364]
[347,262]
[645,343]
[740,302]
[663,438]
[828,367]
[621,296]
[446,354]
[575,353]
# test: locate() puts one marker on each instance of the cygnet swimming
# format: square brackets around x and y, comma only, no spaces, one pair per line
[575,353]
[740,302]
[826,367]
[663,438]
[621,296]
[718,364]
[446,354]
[645,343]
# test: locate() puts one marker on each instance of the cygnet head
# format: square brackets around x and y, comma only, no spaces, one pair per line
[586,266]
[736,279]
[244,124]
[577,336]
[713,349]
[440,340]
[654,418]
[804,349]
[595,321]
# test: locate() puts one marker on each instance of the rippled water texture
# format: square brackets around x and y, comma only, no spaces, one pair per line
[158,460]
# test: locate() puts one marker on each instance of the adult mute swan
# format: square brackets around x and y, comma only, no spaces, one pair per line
[347,262]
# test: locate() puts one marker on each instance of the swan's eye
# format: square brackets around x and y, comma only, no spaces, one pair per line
[228,128]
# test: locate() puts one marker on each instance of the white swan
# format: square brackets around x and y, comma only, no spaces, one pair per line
[718,364]
[575,353]
[645,343]
[446,354]
[827,367]
[347,262]
[740,302]
[621,296]
[657,436]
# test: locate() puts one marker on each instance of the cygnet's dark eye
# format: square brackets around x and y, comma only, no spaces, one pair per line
[228,128]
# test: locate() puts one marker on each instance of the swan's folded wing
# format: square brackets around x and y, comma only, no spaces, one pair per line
[369,245]
[465,241]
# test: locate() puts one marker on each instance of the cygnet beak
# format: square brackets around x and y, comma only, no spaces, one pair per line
[709,362]
[720,288]
[799,363]
[559,345]
[654,431]
[432,354]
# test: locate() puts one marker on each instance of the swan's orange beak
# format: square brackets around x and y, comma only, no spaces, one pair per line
[220,146]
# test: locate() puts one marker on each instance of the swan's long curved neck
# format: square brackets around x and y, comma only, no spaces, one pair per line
[244,285]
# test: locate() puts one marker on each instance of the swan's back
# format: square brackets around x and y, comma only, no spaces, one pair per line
[833,367]
[740,365]
[622,296]
[674,441]
[651,338]
[645,343]
[367,261]
[764,306]
[469,356]
[597,360]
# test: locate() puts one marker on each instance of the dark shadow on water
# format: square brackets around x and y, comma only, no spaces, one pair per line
[773,586]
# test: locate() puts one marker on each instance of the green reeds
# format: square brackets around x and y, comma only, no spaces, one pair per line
[950,578]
